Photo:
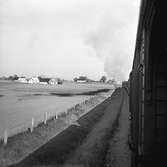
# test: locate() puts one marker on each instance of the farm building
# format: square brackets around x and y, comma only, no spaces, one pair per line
[33,80]
[44,81]
[53,81]
[22,80]
[81,79]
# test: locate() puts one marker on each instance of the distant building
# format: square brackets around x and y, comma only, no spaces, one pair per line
[53,81]
[111,81]
[33,80]
[81,79]
[44,81]
[22,80]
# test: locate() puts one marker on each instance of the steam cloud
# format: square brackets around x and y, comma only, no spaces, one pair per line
[114,41]
[47,37]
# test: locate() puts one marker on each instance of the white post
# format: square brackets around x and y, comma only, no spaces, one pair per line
[56,115]
[5,137]
[46,117]
[32,124]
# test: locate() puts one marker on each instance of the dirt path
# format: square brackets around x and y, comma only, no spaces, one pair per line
[93,149]
[119,154]
[99,140]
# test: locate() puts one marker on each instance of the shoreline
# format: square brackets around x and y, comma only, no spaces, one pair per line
[22,144]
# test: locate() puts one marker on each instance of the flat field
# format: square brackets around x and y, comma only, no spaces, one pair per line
[20,103]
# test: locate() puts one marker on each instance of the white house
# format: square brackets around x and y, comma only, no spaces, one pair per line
[53,81]
[81,81]
[44,80]
[22,80]
[33,80]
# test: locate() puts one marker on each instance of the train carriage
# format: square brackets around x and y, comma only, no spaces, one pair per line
[148,87]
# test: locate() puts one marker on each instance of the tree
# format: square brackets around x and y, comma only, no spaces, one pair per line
[59,81]
[75,79]
[14,77]
[103,79]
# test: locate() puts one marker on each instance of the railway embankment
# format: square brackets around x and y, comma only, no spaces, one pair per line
[99,138]
[22,144]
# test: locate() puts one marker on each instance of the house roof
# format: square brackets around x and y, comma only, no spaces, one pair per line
[44,79]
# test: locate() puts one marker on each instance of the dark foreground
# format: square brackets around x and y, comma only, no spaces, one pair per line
[99,140]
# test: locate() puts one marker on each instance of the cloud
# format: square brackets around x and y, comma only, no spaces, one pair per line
[114,39]
[48,36]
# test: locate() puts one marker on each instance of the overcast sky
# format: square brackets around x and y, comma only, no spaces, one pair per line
[68,38]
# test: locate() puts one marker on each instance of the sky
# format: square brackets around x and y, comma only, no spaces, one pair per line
[68,38]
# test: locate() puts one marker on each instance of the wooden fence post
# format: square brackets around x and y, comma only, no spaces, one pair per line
[56,115]
[5,137]
[45,117]
[32,124]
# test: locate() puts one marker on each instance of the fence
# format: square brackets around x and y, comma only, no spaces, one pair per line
[28,124]
[33,121]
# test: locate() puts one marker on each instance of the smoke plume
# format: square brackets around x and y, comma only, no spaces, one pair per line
[114,41]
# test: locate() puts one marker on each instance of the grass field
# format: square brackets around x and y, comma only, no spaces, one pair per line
[83,97]
[19,103]
[99,139]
